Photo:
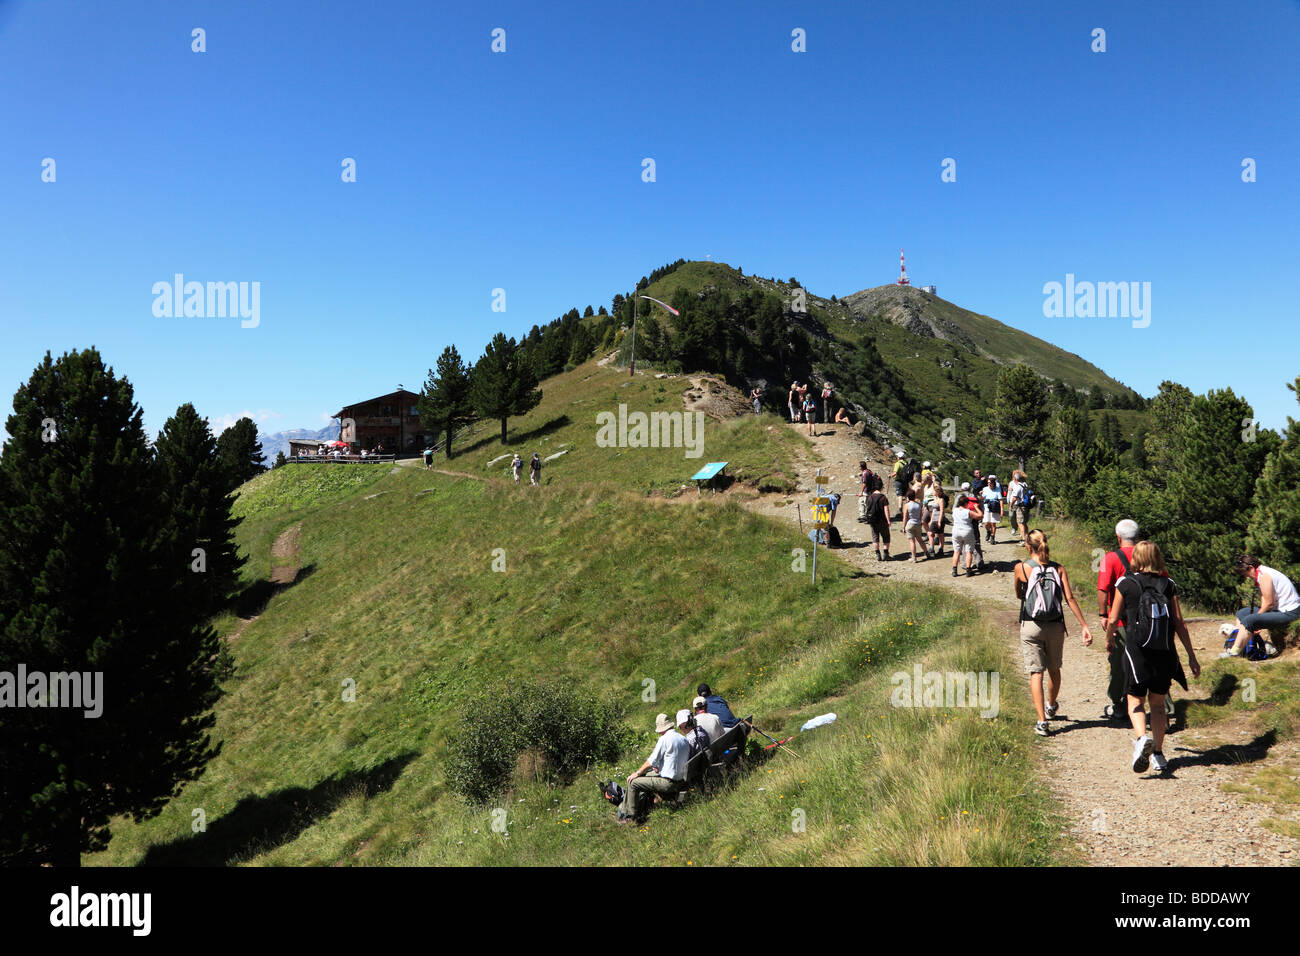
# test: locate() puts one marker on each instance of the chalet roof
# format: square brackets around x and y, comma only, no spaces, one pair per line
[402,392]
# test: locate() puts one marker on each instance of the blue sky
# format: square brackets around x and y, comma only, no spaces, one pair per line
[522,170]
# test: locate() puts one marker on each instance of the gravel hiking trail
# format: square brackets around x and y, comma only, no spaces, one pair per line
[1117,817]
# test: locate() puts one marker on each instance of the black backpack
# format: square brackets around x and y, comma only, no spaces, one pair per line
[1154,628]
[833,533]
[612,792]
[911,470]
[875,508]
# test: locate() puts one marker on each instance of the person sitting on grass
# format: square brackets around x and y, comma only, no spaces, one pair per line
[1148,601]
[1279,605]
[662,774]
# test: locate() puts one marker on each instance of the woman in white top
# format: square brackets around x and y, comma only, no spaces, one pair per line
[965,530]
[912,523]
[992,502]
[1279,605]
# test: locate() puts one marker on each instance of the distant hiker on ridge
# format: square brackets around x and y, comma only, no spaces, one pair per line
[535,469]
[517,466]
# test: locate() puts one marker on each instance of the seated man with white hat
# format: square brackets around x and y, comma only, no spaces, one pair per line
[663,773]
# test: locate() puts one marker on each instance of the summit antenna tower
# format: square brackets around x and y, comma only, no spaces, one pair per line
[902,270]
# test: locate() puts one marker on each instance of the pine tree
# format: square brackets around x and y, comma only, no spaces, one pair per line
[196,495]
[240,453]
[1168,416]
[1019,413]
[93,580]
[279,459]
[1138,452]
[1068,462]
[582,346]
[1274,532]
[501,385]
[444,401]
[1211,496]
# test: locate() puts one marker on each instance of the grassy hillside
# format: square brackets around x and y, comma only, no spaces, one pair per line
[943,359]
[566,419]
[603,589]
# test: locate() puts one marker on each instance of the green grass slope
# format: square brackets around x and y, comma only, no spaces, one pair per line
[604,589]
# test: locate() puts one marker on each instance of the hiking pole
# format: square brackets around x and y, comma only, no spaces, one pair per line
[773,739]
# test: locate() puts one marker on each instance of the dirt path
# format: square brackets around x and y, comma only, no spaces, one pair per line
[1119,818]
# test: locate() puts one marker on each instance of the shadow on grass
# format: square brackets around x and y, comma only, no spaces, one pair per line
[1223,690]
[518,438]
[1225,754]
[259,824]
[254,598]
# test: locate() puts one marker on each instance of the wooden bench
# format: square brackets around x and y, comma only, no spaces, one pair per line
[709,766]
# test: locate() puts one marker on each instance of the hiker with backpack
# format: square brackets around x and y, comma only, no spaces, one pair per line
[1043,589]
[517,467]
[535,469]
[1114,566]
[1279,605]
[827,392]
[1147,598]
[810,414]
[877,511]
[793,400]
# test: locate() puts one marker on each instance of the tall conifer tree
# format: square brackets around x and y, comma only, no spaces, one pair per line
[444,401]
[503,386]
[197,497]
[92,581]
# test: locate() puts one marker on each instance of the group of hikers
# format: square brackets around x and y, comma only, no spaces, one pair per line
[1137,600]
[803,406]
[923,511]
[1140,612]
[664,772]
